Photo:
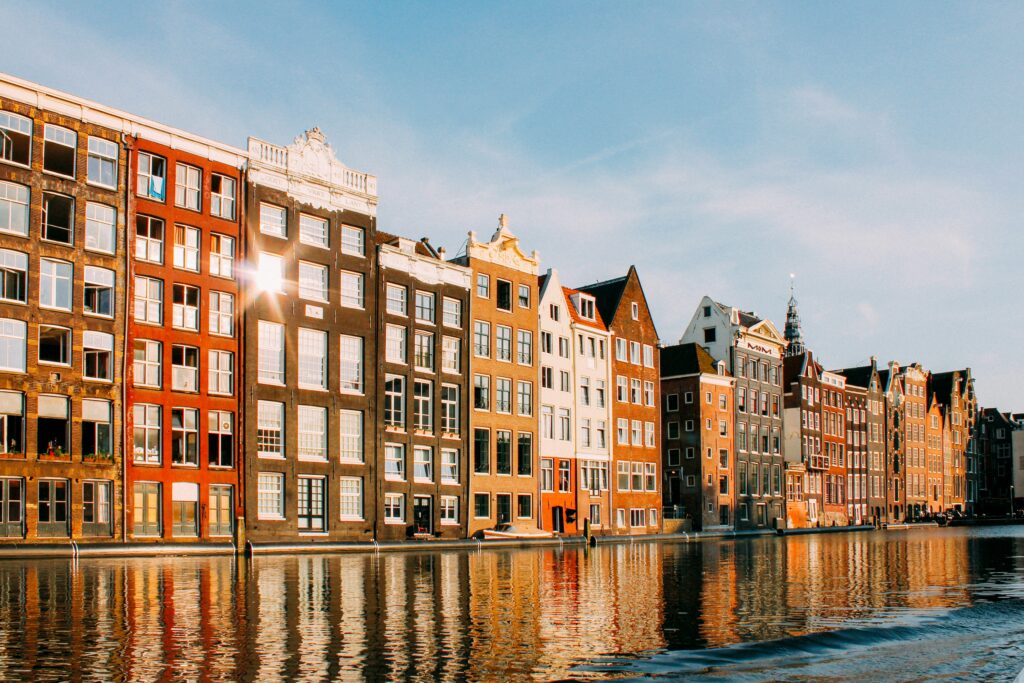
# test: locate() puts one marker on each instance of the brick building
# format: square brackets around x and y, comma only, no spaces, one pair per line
[857,453]
[697,436]
[62,248]
[891,381]
[503,480]
[915,384]
[182,389]
[636,410]
[802,442]
[996,489]
[309,298]
[873,437]
[954,391]
[833,447]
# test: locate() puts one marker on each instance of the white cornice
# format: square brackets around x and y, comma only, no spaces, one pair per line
[427,270]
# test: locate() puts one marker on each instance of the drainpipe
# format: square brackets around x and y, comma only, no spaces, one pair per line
[129,211]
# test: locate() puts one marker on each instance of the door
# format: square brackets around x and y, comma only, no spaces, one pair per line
[504,508]
[558,520]
[53,508]
[675,493]
[312,504]
[12,502]
[423,514]
[221,514]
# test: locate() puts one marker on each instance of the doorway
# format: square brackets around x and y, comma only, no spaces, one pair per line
[423,514]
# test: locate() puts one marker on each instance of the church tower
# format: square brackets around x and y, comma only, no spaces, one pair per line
[793,333]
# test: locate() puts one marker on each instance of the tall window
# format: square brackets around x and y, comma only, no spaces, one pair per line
[424,350]
[425,307]
[147,442]
[185,307]
[102,162]
[184,436]
[481,392]
[449,409]
[96,423]
[271,352]
[481,451]
[222,314]
[503,342]
[394,401]
[449,466]
[188,183]
[273,220]
[450,354]
[481,338]
[222,255]
[146,508]
[98,355]
[186,248]
[313,230]
[13,276]
[524,347]
[503,451]
[353,240]
[504,302]
[270,495]
[394,344]
[149,239]
[99,227]
[312,421]
[59,147]
[146,363]
[14,200]
[423,464]
[351,289]
[98,294]
[397,299]
[55,284]
[452,312]
[524,454]
[423,405]
[351,364]
[351,499]
[394,461]
[222,196]
[524,398]
[184,368]
[151,180]
[270,429]
[483,286]
[220,438]
[503,395]
[351,436]
[221,377]
[312,359]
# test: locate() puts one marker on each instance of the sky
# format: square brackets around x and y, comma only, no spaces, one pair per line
[871,149]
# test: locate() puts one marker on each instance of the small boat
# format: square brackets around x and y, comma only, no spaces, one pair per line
[507,531]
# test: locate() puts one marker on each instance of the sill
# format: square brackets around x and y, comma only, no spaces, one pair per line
[480,355]
[54,308]
[218,393]
[310,387]
[451,435]
[394,361]
[351,519]
[394,521]
[347,392]
[13,301]
[185,329]
[53,364]
[423,481]
[60,175]
[313,533]
[275,518]
[271,383]
[274,235]
[445,522]
[154,387]
[353,308]
[221,468]
[314,460]
[108,316]
[449,482]
[269,456]
[188,208]
[143,463]
[185,466]
[394,478]
[152,198]
[99,380]
[343,461]
[58,242]
[395,429]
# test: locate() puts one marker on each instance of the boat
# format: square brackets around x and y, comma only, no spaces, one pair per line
[507,532]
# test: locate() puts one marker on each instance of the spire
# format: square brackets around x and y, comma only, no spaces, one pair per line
[794,335]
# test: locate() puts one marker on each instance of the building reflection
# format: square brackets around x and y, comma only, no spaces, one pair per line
[489,615]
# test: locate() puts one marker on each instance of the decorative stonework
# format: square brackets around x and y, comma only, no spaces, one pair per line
[427,270]
[309,170]
[503,250]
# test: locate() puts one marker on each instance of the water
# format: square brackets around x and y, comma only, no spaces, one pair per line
[924,605]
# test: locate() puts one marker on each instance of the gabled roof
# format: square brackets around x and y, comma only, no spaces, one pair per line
[794,367]
[597,324]
[688,359]
[859,376]
[608,294]
[420,248]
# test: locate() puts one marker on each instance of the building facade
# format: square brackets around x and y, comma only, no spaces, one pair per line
[856,454]
[503,482]
[309,348]
[954,391]
[697,437]
[873,437]
[183,387]
[915,385]
[753,349]
[62,218]
[895,446]
[802,443]
[636,410]
[424,422]
[833,444]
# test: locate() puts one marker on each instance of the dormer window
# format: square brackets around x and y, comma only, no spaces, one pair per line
[707,311]
[586,308]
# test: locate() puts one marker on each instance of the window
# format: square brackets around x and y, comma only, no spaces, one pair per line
[222,196]
[59,150]
[220,445]
[565,476]
[397,299]
[185,307]
[449,510]
[149,239]
[54,345]
[99,228]
[587,307]
[394,401]
[481,451]
[270,495]
[313,230]
[622,431]
[451,354]
[423,405]
[350,502]
[221,373]
[146,433]
[635,310]
[423,464]
[55,284]
[222,314]
[222,256]
[585,432]
[270,429]
[636,481]
[351,364]
[184,436]
[563,347]
[273,220]
[186,248]
[564,424]
[504,302]
[688,397]
[146,508]
[710,334]
[650,476]
[394,461]
[649,394]
[449,466]
[394,344]
[524,296]
[394,508]
[271,352]
[452,312]
[673,457]
[351,436]
[312,428]
[270,272]
[221,510]
[503,343]
[96,504]
[146,363]
[503,395]
[483,286]
[423,350]
[312,359]
[184,368]
[481,338]
[621,389]
[13,276]
[96,435]
[12,422]
[524,454]
[524,398]
[634,391]
[636,517]
[102,163]
[636,432]
[634,352]
[547,378]
[99,291]
[450,409]
[524,503]
[481,392]
[425,307]
[353,241]
[15,138]
[14,208]
[58,218]
[188,182]
[151,180]
[98,355]
[524,347]
[351,289]
[503,451]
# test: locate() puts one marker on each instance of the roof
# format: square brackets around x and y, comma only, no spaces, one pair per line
[793,366]
[859,376]
[748,319]
[688,359]
[607,294]
[597,324]
[387,238]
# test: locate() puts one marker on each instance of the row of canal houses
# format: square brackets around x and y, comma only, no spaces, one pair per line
[206,343]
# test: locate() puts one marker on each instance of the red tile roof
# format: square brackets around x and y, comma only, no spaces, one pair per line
[597,324]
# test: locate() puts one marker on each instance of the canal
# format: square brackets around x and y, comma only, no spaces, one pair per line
[900,605]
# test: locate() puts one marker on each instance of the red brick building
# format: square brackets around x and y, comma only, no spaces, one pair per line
[183,386]
[636,410]
[833,447]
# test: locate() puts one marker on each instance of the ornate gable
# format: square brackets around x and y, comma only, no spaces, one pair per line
[503,250]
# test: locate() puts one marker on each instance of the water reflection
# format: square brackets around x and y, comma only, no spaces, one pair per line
[487,615]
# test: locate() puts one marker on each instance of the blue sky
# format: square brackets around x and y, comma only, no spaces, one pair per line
[871,148]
